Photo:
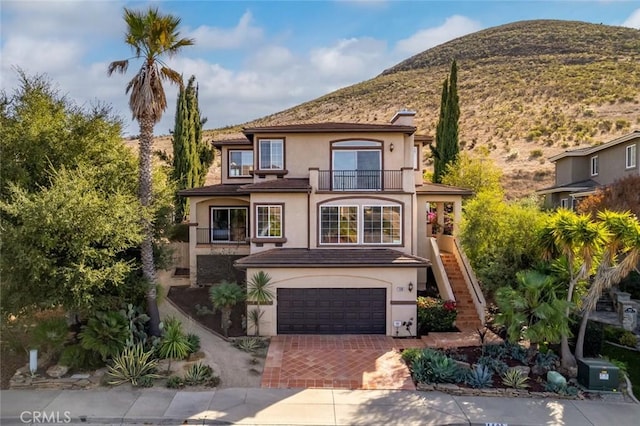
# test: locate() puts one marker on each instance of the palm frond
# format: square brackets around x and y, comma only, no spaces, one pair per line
[118,66]
[172,75]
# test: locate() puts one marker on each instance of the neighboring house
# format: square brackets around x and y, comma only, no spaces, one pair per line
[580,172]
[336,214]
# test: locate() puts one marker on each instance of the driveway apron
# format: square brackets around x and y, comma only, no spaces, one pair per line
[342,362]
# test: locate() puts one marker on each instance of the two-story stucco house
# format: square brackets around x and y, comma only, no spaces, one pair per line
[580,172]
[337,215]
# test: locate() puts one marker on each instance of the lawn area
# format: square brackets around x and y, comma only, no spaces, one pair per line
[629,357]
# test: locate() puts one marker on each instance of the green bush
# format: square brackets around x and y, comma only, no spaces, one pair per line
[628,339]
[175,382]
[436,315]
[77,357]
[50,335]
[179,233]
[613,334]
[105,333]
[193,340]
[409,355]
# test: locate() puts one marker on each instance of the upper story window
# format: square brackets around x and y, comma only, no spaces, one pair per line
[351,225]
[269,221]
[240,163]
[415,157]
[594,165]
[271,154]
[381,225]
[228,224]
[357,165]
[630,161]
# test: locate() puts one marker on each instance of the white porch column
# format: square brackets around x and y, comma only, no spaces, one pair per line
[457,217]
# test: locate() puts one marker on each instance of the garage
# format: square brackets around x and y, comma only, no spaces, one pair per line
[331,310]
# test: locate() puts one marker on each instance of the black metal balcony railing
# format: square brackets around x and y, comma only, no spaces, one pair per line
[214,236]
[360,180]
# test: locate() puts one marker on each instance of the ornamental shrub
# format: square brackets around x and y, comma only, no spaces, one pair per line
[435,314]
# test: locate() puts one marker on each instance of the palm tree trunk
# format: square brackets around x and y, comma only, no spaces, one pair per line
[145,193]
[567,360]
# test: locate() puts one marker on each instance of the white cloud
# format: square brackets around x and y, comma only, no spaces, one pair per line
[633,21]
[242,35]
[350,58]
[453,27]
[40,55]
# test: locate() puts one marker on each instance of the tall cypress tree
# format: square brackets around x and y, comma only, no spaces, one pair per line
[192,157]
[447,147]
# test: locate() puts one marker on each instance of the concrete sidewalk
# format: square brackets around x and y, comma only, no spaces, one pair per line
[250,406]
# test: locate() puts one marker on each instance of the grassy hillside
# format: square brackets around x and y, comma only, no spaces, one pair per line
[528,90]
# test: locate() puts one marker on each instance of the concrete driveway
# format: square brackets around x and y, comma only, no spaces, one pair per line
[338,362]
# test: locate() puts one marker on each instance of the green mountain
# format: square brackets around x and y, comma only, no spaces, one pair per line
[528,90]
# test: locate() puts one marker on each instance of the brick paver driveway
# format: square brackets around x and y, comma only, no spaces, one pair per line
[349,362]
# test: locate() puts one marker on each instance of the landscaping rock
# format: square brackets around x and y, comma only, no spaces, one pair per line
[556,378]
[57,371]
[425,387]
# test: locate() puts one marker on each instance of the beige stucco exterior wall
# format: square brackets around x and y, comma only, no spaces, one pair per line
[394,280]
[612,163]
[294,220]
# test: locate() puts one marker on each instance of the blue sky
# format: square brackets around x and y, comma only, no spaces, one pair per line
[256,58]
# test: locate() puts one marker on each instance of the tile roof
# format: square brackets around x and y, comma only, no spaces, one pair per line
[325,258]
[428,188]
[329,128]
[279,185]
[219,189]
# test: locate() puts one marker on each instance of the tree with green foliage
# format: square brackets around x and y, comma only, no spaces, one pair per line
[577,240]
[478,174]
[620,256]
[447,147]
[70,244]
[151,35]
[496,237]
[224,296]
[192,157]
[259,291]
[534,310]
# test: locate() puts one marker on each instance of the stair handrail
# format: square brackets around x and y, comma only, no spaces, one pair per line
[471,280]
[437,267]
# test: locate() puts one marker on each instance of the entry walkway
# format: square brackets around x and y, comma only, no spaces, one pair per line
[157,406]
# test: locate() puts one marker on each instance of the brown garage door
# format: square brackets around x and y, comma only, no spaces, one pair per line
[332,310]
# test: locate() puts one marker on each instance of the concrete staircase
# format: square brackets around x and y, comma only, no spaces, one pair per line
[467,319]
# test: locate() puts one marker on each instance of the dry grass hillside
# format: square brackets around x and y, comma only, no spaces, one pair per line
[528,90]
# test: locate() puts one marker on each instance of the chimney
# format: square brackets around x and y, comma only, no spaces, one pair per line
[404,117]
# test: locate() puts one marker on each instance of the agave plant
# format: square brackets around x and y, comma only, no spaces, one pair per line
[133,365]
[198,374]
[515,379]
[480,377]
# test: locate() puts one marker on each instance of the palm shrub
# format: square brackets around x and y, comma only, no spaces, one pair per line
[194,342]
[134,365]
[50,335]
[105,333]
[259,291]
[224,297]
[174,343]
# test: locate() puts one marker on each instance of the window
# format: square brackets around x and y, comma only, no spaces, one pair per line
[228,224]
[415,157]
[630,157]
[594,165]
[354,168]
[381,224]
[271,154]
[269,221]
[338,225]
[240,163]
[375,225]
[564,203]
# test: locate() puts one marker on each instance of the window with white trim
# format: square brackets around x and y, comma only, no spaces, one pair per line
[228,224]
[594,165]
[271,154]
[368,225]
[381,225]
[240,163]
[630,161]
[269,221]
[338,225]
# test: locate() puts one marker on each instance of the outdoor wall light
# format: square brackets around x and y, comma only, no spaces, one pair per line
[410,286]
[391,147]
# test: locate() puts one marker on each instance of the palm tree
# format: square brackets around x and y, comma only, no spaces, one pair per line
[621,256]
[224,296]
[151,35]
[259,291]
[578,239]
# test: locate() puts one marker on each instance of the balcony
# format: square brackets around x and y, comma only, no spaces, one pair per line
[221,236]
[360,180]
